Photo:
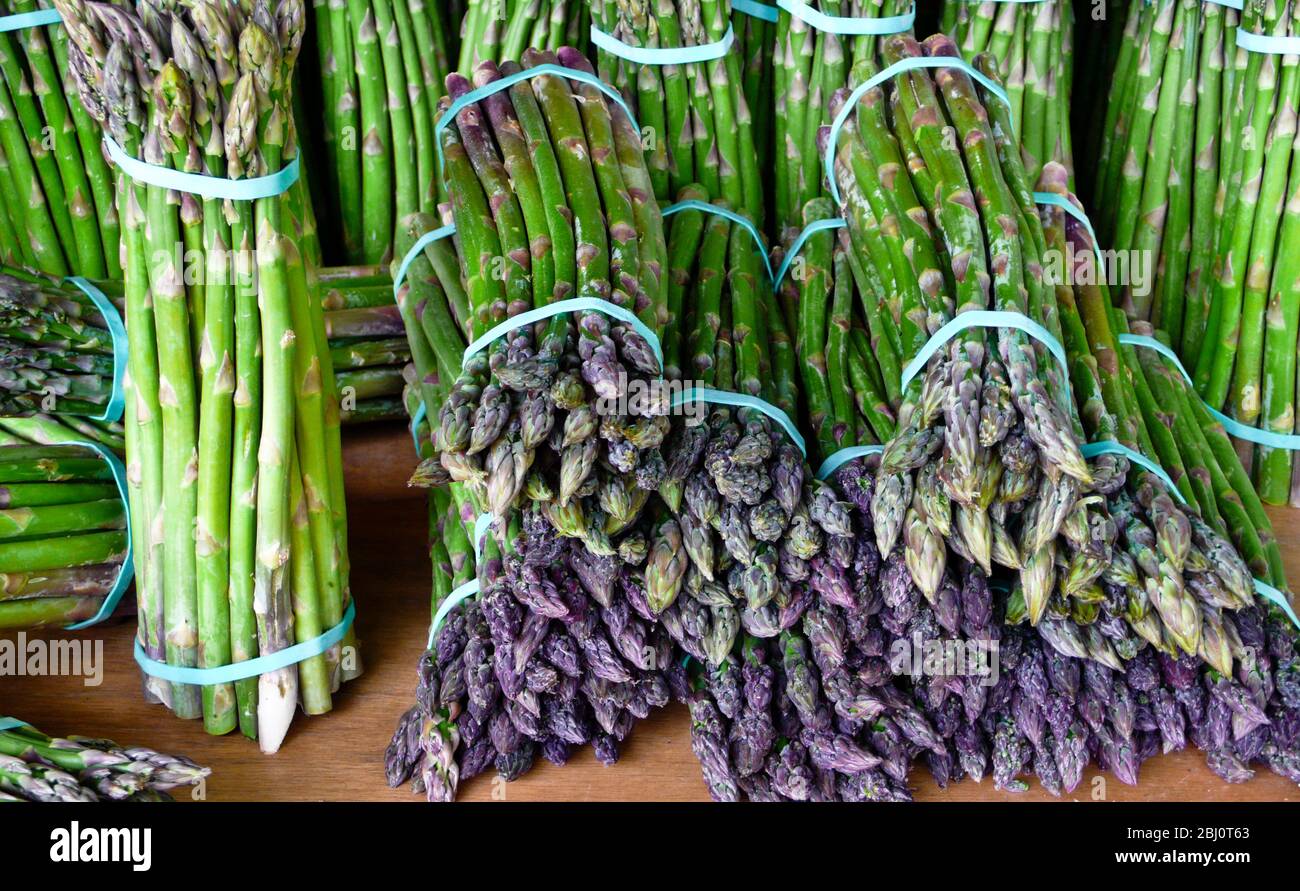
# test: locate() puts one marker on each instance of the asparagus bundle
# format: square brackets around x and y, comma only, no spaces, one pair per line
[1026,501]
[382,67]
[367,342]
[1034,47]
[58,212]
[63,537]
[810,66]
[56,353]
[1200,157]
[698,118]
[36,767]
[232,420]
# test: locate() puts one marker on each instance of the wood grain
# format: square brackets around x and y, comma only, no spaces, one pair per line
[340,756]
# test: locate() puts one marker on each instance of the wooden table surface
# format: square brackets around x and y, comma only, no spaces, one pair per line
[340,756]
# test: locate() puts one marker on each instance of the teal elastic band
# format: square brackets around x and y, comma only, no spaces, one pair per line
[673,55]
[1278,598]
[809,231]
[706,207]
[1267,43]
[1238,5]
[22,20]
[757,10]
[573,304]
[849,25]
[249,668]
[742,400]
[892,71]
[200,184]
[117,331]
[421,243]
[1289,442]
[421,413]
[127,571]
[465,591]
[1073,210]
[11,723]
[473,97]
[844,456]
[1108,447]
[987,318]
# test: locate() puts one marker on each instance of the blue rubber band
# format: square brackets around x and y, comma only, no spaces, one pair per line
[201,184]
[127,571]
[849,25]
[1238,5]
[238,671]
[420,414]
[757,10]
[706,207]
[465,591]
[1073,210]
[473,97]
[117,331]
[742,400]
[573,304]
[421,243]
[902,65]
[23,20]
[837,460]
[1110,447]
[1267,43]
[986,318]
[1278,598]
[809,231]
[674,55]
[1289,442]
[11,723]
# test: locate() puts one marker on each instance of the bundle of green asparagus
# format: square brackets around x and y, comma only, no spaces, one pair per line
[810,66]
[382,67]
[1034,46]
[36,767]
[366,341]
[232,425]
[57,205]
[63,538]
[1200,183]
[56,352]
[698,119]
[987,462]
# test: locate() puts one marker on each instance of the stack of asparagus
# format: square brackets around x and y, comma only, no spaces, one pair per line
[1126,572]
[43,429]
[62,535]
[56,353]
[36,767]
[704,122]
[810,67]
[1198,172]
[232,421]
[366,341]
[382,66]
[57,207]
